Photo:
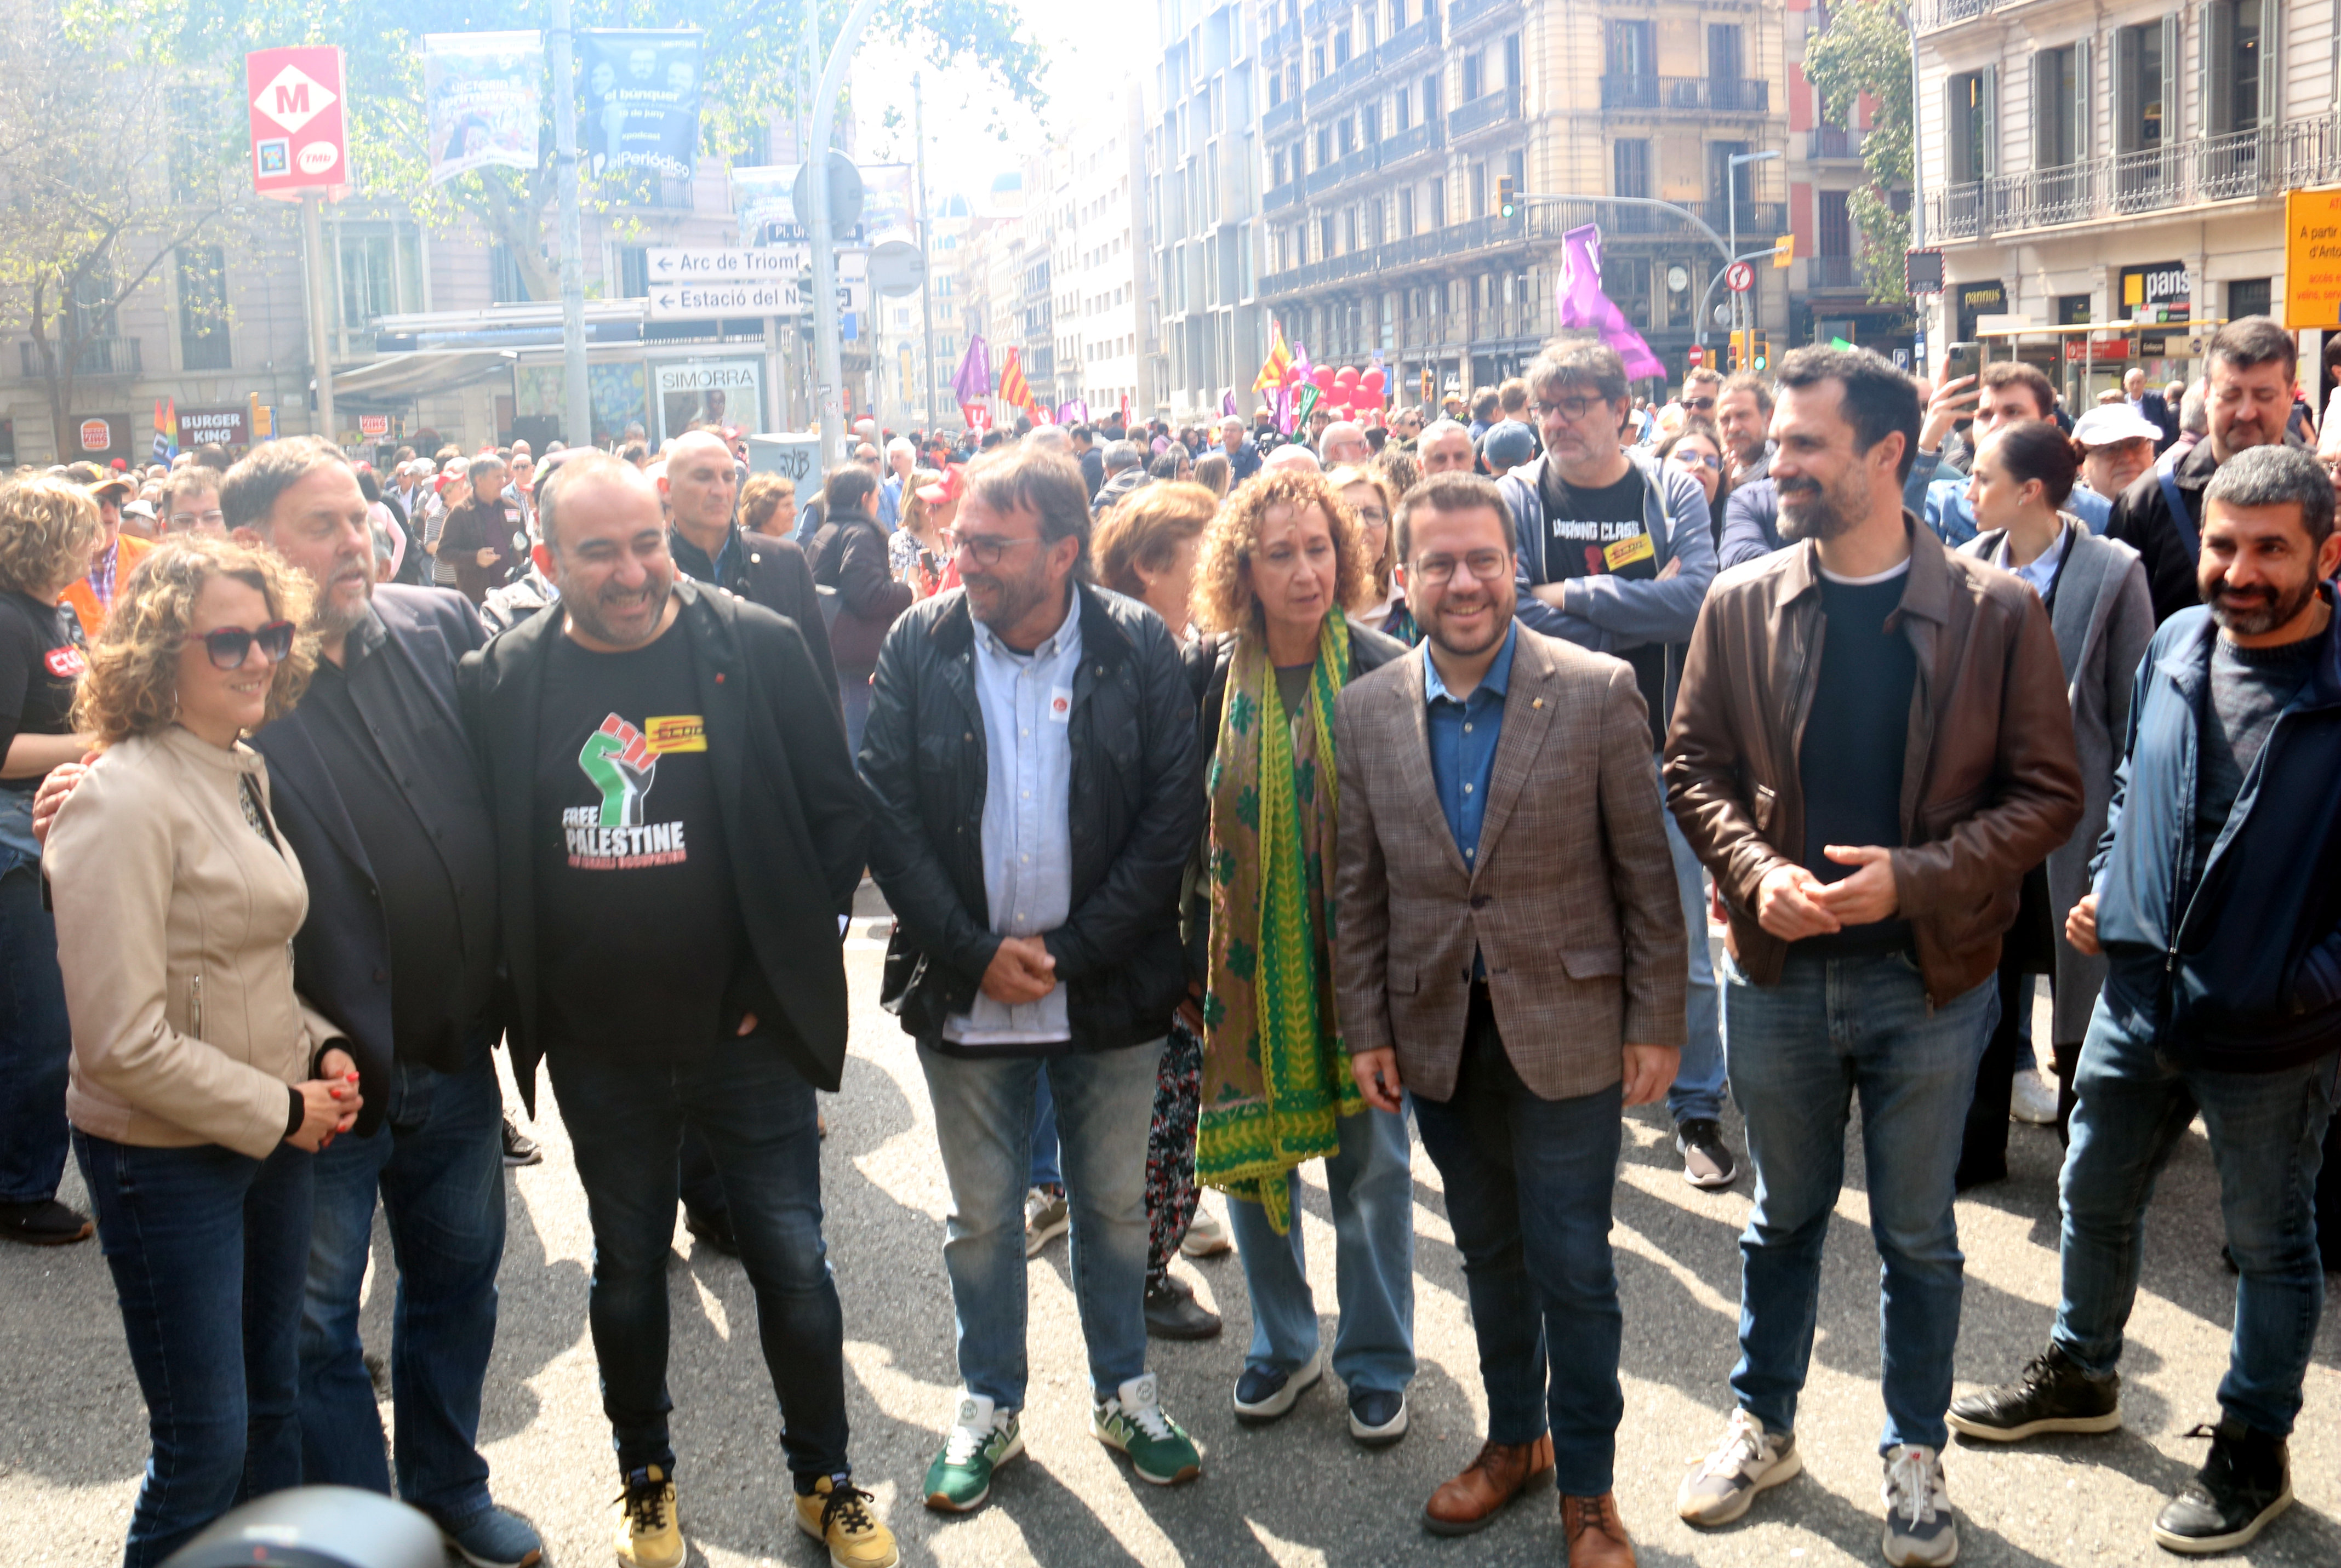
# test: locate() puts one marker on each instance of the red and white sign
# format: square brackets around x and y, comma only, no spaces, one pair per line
[1698,356]
[1739,277]
[299,142]
[977,415]
[97,435]
[2079,351]
[65,663]
[374,424]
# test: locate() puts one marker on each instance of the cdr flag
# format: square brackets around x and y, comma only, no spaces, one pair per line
[298,141]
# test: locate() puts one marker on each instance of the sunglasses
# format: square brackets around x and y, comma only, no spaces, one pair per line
[229,646]
[1699,402]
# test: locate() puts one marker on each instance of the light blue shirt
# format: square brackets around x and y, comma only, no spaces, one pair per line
[1463,735]
[2041,570]
[1946,509]
[1027,701]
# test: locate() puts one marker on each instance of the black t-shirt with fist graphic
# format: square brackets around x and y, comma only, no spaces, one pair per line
[637,924]
[40,666]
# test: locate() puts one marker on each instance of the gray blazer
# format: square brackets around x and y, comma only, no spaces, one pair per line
[1572,902]
[2103,618]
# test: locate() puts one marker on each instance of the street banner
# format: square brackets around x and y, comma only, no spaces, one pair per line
[889,211]
[642,99]
[1583,305]
[295,109]
[483,100]
[760,194]
[977,415]
[166,429]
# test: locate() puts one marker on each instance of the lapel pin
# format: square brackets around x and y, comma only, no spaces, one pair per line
[1537,703]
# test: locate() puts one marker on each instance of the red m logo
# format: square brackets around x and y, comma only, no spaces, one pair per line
[291,99]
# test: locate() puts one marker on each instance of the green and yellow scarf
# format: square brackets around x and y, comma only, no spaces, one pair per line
[1275,1077]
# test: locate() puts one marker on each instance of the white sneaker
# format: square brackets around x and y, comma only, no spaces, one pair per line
[1206,1237]
[1722,1486]
[1919,1528]
[1046,1217]
[2034,1099]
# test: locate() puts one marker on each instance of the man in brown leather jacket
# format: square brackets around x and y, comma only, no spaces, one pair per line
[1870,748]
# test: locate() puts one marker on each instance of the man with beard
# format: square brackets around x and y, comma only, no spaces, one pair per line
[373,789]
[678,833]
[2252,363]
[1743,414]
[2218,909]
[1031,760]
[1518,1049]
[1871,747]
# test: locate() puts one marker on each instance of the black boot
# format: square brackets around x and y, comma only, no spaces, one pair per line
[2245,1482]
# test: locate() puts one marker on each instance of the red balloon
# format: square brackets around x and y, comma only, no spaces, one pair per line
[1373,380]
[1323,377]
[1294,376]
[1347,376]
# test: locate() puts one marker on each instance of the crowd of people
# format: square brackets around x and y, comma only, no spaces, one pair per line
[1237,799]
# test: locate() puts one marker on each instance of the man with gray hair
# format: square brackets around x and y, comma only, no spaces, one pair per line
[1243,458]
[1125,471]
[1050,438]
[1445,447]
[1343,442]
[901,457]
[2218,906]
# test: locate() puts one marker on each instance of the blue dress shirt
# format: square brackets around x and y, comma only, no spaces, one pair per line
[1463,736]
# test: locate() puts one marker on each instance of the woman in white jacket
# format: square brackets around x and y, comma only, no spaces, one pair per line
[201,1085]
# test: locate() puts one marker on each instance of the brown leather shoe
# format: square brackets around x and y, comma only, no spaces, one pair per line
[1473,1499]
[1596,1536]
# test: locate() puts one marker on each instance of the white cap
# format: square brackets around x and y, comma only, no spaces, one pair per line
[2111,423]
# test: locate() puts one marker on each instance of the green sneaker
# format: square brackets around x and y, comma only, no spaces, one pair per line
[1133,1422]
[981,1439]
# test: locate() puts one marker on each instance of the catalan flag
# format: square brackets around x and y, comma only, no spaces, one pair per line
[1014,388]
[1278,360]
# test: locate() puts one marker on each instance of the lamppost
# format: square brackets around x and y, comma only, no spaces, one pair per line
[1732,166]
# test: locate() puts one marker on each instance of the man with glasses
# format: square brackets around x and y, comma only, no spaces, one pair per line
[1615,553]
[192,502]
[1031,763]
[1518,1051]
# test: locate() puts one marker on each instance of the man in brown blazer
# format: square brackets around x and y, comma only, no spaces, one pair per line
[1511,952]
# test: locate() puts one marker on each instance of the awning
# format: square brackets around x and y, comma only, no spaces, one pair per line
[421,370]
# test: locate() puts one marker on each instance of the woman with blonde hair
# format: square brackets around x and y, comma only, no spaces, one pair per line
[1381,603]
[1214,473]
[201,1084]
[921,552]
[1279,562]
[48,526]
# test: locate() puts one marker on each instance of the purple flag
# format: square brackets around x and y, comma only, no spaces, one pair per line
[1582,305]
[1228,403]
[1073,410]
[972,382]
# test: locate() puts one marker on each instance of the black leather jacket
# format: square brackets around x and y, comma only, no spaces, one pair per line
[1137,804]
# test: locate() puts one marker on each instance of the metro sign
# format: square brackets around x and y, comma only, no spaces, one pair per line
[299,142]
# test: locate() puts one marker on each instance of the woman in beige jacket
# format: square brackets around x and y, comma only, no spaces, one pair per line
[201,1085]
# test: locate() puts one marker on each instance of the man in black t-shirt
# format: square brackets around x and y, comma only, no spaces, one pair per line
[1615,553]
[678,833]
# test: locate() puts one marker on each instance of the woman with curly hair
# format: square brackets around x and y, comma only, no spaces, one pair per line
[200,1085]
[48,527]
[1279,563]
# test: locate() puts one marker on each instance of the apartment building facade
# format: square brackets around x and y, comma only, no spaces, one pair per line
[2119,167]
[1388,128]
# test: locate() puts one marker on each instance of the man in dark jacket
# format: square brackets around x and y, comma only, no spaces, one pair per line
[1243,458]
[849,553]
[678,834]
[2218,909]
[2252,364]
[1871,747]
[1031,761]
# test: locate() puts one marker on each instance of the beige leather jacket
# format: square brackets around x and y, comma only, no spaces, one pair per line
[174,924]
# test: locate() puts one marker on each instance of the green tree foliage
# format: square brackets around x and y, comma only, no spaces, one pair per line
[754,63]
[1866,49]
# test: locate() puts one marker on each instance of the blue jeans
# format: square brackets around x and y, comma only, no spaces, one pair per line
[625,1114]
[1528,1191]
[2267,1136]
[438,1163]
[983,1122]
[853,696]
[35,1038]
[1370,1180]
[1799,1052]
[1698,1089]
[1048,1168]
[208,1248]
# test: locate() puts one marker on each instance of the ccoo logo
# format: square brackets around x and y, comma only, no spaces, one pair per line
[317,157]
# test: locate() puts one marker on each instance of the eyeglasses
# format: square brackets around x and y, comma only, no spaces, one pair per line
[214,518]
[229,646]
[1686,457]
[987,552]
[1486,565]
[1571,409]
[1699,402]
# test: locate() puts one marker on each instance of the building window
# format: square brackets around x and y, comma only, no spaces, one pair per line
[1970,116]
[1631,53]
[1511,59]
[203,308]
[2247,297]
[1472,76]
[2060,106]
[1726,60]
[505,285]
[1479,190]
[1406,212]
[634,272]
[1833,235]
[1439,204]
[2145,86]
[1399,120]
[2232,45]
[368,283]
[1629,167]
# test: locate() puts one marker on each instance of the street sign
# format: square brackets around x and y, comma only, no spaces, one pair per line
[1739,277]
[704,302]
[2312,259]
[1923,272]
[1698,356]
[713,283]
[298,142]
[844,195]
[715,264]
[896,267]
[374,425]
[1784,251]
[97,435]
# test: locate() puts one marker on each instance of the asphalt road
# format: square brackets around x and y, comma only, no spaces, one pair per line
[1296,1493]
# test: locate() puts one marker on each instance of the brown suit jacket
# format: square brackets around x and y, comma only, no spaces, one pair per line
[1572,904]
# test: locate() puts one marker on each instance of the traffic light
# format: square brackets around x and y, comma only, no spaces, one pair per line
[1763,350]
[1739,351]
[1507,199]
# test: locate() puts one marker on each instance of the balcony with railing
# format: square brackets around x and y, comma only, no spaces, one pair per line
[1933,15]
[2243,165]
[1349,166]
[1275,43]
[1279,118]
[97,357]
[1339,83]
[1834,272]
[1280,197]
[1489,110]
[1463,14]
[1824,141]
[1688,95]
[1421,137]
[1409,42]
